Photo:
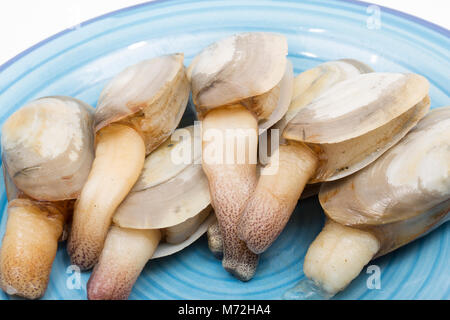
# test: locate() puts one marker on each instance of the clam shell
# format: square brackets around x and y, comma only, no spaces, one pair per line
[11,190]
[356,120]
[48,147]
[409,180]
[238,67]
[182,231]
[311,83]
[166,204]
[284,97]
[151,95]
[166,249]
[356,106]
[397,234]
[159,167]
[166,194]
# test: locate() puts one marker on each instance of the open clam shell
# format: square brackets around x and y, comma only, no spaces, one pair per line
[357,120]
[242,66]
[48,147]
[151,95]
[408,180]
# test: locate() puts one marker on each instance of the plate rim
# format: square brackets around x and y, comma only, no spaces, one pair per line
[425,23]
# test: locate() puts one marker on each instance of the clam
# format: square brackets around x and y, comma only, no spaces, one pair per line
[167,210]
[398,198]
[239,84]
[136,112]
[307,86]
[338,133]
[47,154]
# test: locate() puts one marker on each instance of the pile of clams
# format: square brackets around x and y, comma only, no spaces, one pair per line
[124,184]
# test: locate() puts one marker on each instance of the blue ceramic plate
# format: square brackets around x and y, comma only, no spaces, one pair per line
[78,62]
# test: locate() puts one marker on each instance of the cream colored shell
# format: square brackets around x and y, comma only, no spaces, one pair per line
[242,66]
[151,95]
[48,147]
[408,180]
[355,121]
[313,82]
[161,200]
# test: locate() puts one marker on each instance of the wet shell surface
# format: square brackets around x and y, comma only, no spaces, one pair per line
[233,69]
[151,95]
[48,147]
[409,180]
[355,121]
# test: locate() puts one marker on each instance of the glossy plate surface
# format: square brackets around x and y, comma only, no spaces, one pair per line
[78,62]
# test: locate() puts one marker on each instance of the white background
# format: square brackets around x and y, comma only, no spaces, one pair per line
[24,23]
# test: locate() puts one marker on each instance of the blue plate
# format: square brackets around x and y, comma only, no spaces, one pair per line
[79,61]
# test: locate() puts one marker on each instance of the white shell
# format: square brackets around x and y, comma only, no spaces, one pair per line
[356,106]
[409,179]
[238,67]
[284,100]
[313,82]
[167,199]
[355,121]
[182,149]
[166,249]
[152,95]
[48,147]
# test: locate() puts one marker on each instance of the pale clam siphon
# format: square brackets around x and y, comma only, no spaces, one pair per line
[341,131]
[238,83]
[167,210]
[48,149]
[137,111]
[395,200]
